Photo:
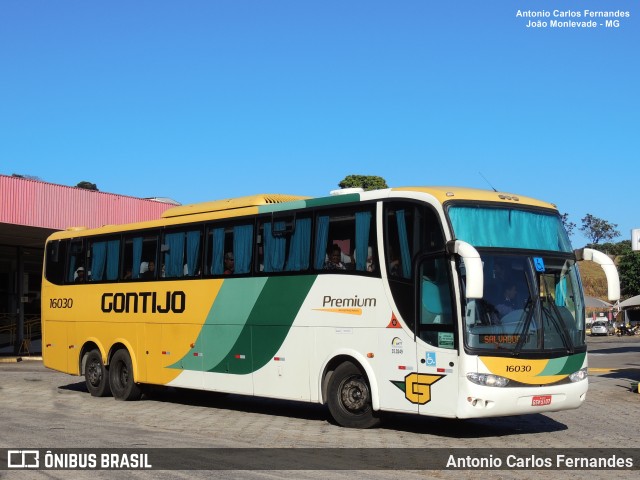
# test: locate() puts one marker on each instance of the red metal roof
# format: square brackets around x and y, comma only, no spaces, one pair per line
[47,205]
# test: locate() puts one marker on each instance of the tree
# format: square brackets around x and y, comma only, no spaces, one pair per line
[87,185]
[366,182]
[597,229]
[615,249]
[26,177]
[568,226]
[629,271]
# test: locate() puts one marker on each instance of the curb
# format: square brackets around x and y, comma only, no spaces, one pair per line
[19,359]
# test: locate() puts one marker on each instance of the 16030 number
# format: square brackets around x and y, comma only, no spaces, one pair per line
[518,368]
[61,303]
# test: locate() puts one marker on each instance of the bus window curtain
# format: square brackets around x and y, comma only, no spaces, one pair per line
[72,268]
[509,228]
[98,260]
[531,230]
[193,250]
[217,253]
[242,242]
[173,257]
[405,254]
[300,246]
[561,292]
[137,257]
[113,259]
[363,225]
[322,240]
[274,248]
[494,224]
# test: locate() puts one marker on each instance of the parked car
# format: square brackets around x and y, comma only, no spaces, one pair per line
[599,328]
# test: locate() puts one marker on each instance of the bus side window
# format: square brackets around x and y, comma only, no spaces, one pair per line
[399,248]
[139,251]
[436,294]
[410,229]
[284,245]
[104,260]
[76,268]
[436,325]
[242,248]
[275,238]
[181,252]
[56,261]
[229,249]
[352,231]
[300,246]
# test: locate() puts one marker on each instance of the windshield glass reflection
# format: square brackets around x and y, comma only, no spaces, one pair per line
[530,304]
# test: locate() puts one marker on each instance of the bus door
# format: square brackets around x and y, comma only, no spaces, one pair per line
[436,381]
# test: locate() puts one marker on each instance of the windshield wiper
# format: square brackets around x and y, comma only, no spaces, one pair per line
[556,318]
[525,327]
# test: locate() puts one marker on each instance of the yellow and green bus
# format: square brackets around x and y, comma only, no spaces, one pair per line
[441,301]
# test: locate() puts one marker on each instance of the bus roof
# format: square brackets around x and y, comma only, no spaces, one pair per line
[230,204]
[264,203]
[446,194]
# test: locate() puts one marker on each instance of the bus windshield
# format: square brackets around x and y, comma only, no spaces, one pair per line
[531,303]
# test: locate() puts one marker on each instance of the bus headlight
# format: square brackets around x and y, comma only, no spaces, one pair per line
[581,374]
[487,379]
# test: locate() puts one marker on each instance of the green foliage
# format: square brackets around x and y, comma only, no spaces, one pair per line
[596,229]
[366,182]
[87,186]
[568,226]
[26,177]
[615,249]
[629,271]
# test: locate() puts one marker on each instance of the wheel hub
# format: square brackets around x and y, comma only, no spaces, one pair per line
[355,394]
[94,373]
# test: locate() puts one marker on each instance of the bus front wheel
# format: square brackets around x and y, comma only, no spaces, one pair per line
[121,377]
[349,398]
[96,376]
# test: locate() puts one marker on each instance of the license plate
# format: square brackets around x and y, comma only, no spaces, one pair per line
[541,400]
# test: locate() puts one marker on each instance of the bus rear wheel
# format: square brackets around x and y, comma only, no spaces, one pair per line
[96,375]
[349,398]
[121,377]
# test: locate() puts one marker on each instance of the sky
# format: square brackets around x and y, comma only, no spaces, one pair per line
[199,100]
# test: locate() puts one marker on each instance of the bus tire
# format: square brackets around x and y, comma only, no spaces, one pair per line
[349,398]
[121,379]
[96,375]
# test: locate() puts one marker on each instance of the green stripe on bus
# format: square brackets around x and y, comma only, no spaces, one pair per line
[334,200]
[267,326]
[279,207]
[573,364]
[309,203]
[564,365]
[225,321]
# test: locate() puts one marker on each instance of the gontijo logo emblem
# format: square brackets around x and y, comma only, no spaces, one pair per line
[417,387]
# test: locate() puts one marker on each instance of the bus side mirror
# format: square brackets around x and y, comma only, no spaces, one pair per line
[607,265]
[473,265]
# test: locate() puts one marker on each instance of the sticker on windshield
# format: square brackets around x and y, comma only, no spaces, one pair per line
[539,263]
[445,340]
